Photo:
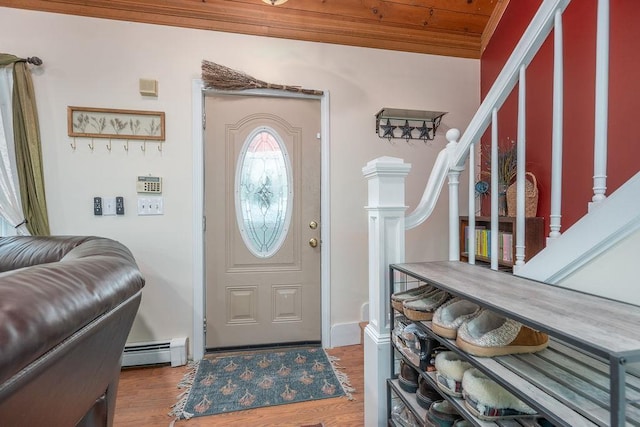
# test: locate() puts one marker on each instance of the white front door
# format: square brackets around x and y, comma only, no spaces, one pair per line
[262,207]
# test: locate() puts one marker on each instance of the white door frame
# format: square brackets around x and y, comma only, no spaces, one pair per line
[198,93]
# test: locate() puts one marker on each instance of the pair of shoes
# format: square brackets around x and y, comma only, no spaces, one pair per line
[450,367]
[489,401]
[483,333]
[488,334]
[482,396]
[426,395]
[449,316]
[442,414]
[402,415]
[408,377]
[399,297]
[422,307]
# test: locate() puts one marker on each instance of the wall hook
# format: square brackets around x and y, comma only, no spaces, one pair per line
[143,147]
[73,144]
[91,146]
[160,147]
[109,145]
[126,146]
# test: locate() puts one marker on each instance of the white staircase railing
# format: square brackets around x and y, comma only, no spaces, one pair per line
[387,223]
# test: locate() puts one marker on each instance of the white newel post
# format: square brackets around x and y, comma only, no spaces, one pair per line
[386,211]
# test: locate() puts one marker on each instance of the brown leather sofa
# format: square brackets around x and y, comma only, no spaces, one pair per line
[66,308]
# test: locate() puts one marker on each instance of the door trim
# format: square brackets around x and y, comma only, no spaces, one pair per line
[198,93]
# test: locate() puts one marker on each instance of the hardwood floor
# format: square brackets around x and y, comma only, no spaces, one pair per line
[145,396]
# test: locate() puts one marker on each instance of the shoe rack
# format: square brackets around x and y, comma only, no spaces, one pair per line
[589,375]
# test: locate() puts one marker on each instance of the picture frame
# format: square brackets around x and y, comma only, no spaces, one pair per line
[87,122]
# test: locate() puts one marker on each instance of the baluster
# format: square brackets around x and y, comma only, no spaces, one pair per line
[602,100]
[556,149]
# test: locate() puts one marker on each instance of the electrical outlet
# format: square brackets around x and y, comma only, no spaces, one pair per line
[119,205]
[97,205]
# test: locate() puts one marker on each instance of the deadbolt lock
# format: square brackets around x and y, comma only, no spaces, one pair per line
[313,225]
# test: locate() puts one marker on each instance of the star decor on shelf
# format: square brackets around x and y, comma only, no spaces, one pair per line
[406,130]
[411,124]
[388,130]
[424,131]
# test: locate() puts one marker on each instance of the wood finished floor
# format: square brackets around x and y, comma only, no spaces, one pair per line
[145,396]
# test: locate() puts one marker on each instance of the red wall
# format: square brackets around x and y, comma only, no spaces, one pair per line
[579,25]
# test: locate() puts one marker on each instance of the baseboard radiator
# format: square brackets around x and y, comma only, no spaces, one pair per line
[173,351]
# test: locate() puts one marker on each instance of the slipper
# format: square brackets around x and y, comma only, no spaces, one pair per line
[489,401]
[449,316]
[489,334]
[399,297]
[450,368]
[422,308]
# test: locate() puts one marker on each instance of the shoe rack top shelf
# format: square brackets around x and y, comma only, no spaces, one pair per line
[603,327]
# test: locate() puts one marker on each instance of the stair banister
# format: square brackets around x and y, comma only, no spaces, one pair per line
[534,36]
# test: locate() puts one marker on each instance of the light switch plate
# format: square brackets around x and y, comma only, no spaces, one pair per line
[108,206]
[119,205]
[97,205]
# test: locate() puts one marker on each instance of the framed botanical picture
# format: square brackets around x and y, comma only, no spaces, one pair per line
[85,122]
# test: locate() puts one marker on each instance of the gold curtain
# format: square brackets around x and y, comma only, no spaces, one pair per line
[26,130]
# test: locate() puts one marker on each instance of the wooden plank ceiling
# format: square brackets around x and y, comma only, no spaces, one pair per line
[459,28]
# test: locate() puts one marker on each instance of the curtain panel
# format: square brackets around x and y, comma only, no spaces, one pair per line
[26,131]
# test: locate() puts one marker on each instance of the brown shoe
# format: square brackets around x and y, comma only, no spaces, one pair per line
[489,334]
[426,395]
[408,378]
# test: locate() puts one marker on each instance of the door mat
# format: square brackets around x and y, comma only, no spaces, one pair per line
[246,380]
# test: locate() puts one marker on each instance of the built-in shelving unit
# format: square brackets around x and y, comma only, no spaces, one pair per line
[534,238]
[588,376]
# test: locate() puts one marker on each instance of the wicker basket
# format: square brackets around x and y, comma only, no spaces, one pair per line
[530,197]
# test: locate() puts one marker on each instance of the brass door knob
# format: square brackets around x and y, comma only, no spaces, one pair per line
[313,225]
[313,242]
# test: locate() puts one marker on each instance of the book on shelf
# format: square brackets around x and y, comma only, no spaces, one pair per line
[483,243]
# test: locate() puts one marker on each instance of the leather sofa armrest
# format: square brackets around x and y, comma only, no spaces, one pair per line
[25,251]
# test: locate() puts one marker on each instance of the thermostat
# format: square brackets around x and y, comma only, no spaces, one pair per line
[149,184]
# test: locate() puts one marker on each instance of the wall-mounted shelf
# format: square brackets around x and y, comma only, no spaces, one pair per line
[394,123]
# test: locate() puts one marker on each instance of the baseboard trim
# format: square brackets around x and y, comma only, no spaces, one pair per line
[345,334]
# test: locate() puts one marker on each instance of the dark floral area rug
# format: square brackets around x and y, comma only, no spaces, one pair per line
[246,380]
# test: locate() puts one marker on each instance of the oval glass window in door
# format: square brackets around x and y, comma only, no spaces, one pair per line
[264,192]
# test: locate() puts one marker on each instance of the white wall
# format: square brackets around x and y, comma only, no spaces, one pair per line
[613,274]
[97,63]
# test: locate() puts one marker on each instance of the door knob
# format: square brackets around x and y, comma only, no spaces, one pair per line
[313,242]
[313,225]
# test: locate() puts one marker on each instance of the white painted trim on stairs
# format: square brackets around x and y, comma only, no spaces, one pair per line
[614,219]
